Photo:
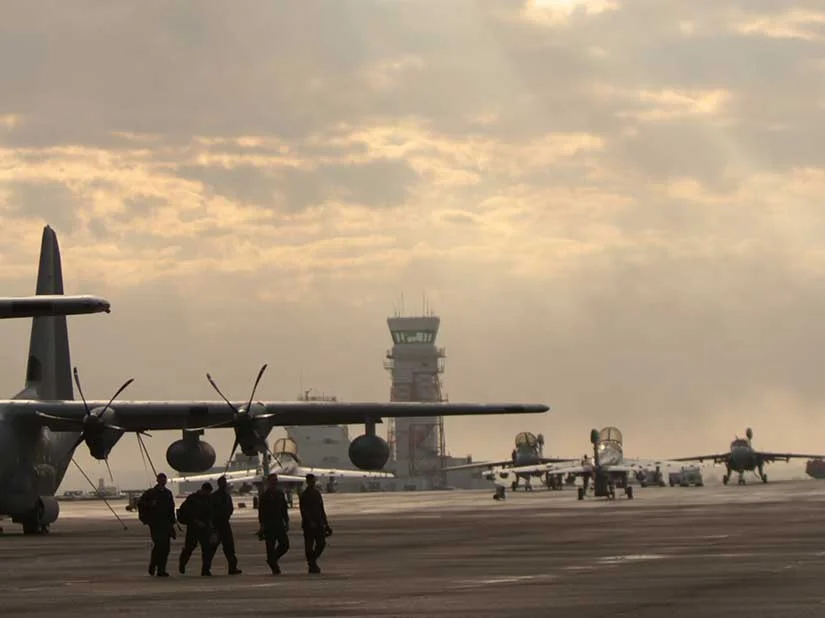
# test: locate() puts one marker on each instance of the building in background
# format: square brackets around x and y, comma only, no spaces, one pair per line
[418,445]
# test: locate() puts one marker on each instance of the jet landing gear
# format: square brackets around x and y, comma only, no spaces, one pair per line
[602,488]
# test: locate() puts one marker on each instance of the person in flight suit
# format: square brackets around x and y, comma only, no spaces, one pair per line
[196,514]
[156,509]
[273,517]
[222,509]
[314,523]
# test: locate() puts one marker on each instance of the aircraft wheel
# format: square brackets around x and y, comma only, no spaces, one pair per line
[629,493]
[581,493]
[725,479]
[741,481]
[764,478]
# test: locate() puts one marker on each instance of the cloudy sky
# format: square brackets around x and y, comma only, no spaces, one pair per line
[615,206]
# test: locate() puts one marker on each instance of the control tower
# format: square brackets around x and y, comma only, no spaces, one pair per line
[415,364]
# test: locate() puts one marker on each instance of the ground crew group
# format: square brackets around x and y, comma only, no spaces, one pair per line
[206,515]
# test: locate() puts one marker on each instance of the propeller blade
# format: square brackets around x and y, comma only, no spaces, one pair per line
[231,455]
[255,386]
[99,495]
[215,386]
[221,425]
[118,392]
[145,451]
[78,442]
[80,391]
[111,476]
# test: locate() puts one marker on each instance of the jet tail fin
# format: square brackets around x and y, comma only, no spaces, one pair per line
[48,373]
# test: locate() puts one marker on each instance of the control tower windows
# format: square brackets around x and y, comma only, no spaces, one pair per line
[413,336]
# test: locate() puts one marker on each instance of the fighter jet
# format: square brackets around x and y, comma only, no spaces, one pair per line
[42,425]
[288,467]
[742,457]
[608,469]
[528,451]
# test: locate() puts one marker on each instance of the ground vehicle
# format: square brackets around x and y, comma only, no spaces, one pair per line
[650,478]
[687,476]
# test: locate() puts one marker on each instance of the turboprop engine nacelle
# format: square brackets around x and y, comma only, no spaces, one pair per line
[190,455]
[98,435]
[369,452]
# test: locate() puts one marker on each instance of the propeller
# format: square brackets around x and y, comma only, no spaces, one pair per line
[242,418]
[93,423]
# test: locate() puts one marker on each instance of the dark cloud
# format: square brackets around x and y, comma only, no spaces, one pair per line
[46,201]
[672,317]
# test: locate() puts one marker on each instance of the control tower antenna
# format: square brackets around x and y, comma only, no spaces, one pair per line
[415,364]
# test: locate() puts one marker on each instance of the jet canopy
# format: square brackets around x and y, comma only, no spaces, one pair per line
[526,439]
[610,434]
[739,442]
[285,446]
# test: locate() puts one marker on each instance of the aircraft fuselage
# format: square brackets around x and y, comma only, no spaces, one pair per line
[742,459]
[33,462]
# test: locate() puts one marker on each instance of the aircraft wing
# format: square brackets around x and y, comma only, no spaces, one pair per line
[169,415]
[650,463]
[479,464]
[244,476]
[508,463]
[302,471]
[51,304]
[236,475]
[717,458]
[768,457]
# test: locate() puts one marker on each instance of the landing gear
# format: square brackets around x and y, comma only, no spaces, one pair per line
[628,491]
[31,521]
[725,479]
[500,493]
[581,493]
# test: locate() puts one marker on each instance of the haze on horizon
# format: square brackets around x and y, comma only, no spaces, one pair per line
[615,207]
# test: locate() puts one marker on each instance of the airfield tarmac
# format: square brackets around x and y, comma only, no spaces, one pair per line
[754,550]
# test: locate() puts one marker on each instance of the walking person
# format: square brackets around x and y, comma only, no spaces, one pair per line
[196,514]
[314,523]
[156,509]
[222,509]
[273,517]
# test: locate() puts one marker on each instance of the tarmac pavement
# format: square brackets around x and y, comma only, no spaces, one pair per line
[736,551]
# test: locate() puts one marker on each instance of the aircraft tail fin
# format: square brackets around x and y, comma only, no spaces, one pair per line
[48,373]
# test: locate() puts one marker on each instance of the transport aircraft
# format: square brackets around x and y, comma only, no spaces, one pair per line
[42,425]
[608,470]
[742,457]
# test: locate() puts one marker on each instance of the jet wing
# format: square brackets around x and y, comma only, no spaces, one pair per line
[241,476]
[169,415]
[507,463]
[237,475]
[717,458]
[768,457]
[348,474]
[649,463]
[479,464]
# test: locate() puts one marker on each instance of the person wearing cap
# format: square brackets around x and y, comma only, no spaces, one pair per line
[156,509]
[196,514]
[314,523]
[273,517]
[222,509]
